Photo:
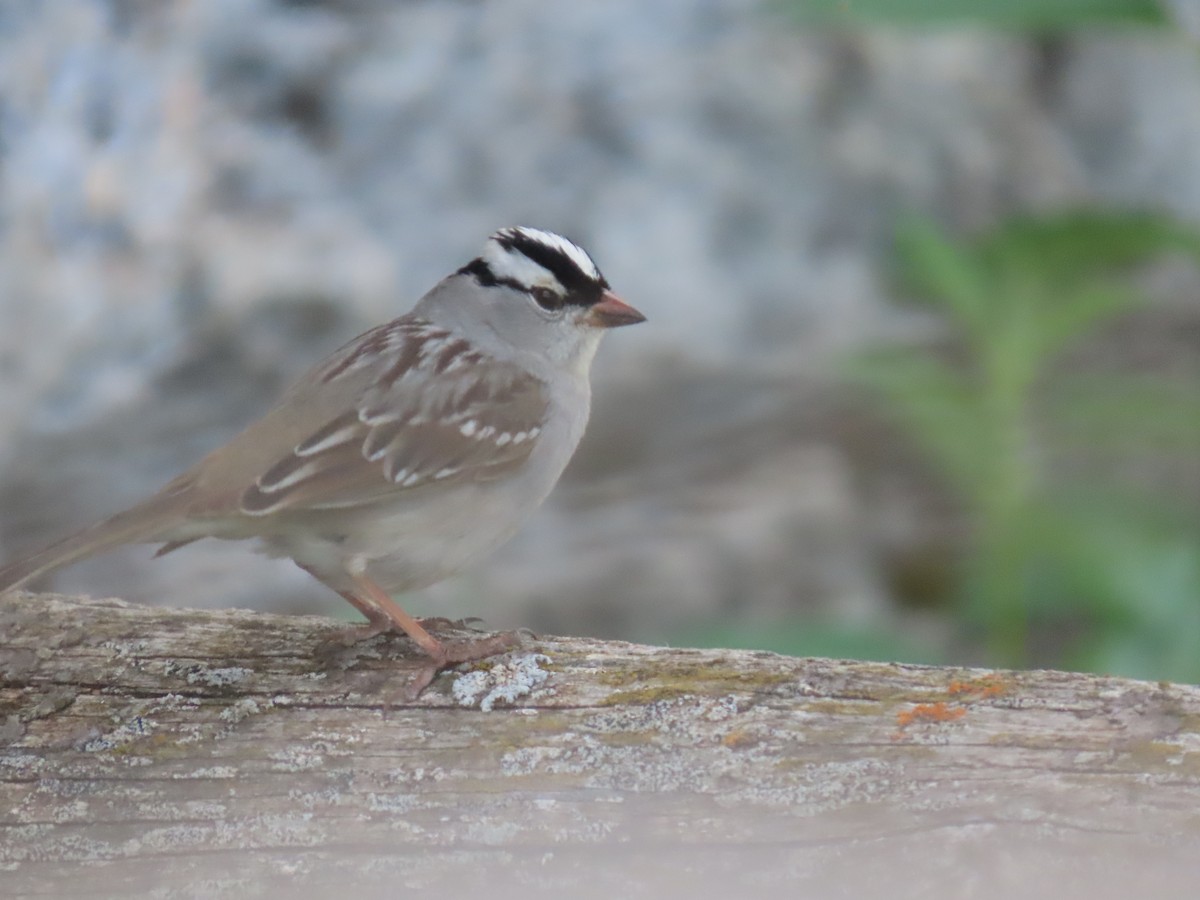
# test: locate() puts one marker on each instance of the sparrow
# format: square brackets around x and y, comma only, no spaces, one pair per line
[410,453]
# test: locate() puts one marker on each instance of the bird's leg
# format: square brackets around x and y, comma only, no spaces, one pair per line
[441,653]
[378,621]
[372,596]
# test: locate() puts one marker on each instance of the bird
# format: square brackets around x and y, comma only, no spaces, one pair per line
[410,453]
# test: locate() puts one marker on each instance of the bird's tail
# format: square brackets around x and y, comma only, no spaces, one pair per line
[146,523]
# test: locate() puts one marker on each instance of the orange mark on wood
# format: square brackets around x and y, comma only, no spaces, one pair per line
[981,688]
[929,712]
[739,738]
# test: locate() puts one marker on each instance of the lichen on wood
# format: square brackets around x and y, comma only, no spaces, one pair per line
[232,753]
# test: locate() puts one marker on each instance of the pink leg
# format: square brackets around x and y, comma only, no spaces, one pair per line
[383,613]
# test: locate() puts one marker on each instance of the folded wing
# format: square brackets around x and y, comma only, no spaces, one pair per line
[435,411]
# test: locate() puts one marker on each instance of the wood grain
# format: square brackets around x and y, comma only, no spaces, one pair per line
[231,753]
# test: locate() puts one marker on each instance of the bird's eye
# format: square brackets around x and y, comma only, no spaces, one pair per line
[548,299]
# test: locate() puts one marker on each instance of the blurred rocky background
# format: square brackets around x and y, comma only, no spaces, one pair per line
[921,373]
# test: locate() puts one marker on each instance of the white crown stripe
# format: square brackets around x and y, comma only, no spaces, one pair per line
[514,265]
[573,251]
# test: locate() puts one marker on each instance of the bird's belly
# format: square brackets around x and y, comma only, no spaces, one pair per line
[412,544]
[410,550]
[418,544]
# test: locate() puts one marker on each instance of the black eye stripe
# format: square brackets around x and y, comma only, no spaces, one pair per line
[588,295]
[486,277]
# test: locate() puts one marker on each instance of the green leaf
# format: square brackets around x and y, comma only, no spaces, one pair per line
[1079,245]
[1073,313]
[938,406]
[1126,412]
[1156,582]
[1033,15]
[943,273]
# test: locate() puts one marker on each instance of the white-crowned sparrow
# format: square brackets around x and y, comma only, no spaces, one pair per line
[410,453]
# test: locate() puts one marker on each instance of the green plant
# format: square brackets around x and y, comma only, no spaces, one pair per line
[1006,428]
[1030,15]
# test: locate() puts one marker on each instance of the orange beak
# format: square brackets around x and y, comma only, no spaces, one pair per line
[612,312]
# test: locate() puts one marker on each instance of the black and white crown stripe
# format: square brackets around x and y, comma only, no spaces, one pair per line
[548,249]
[526,258]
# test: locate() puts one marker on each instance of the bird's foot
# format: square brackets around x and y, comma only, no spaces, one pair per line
[452,653]
[345,638]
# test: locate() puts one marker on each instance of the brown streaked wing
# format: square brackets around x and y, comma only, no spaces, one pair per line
[433,424]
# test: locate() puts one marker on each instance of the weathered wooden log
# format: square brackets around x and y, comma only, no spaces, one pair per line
[234,754]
